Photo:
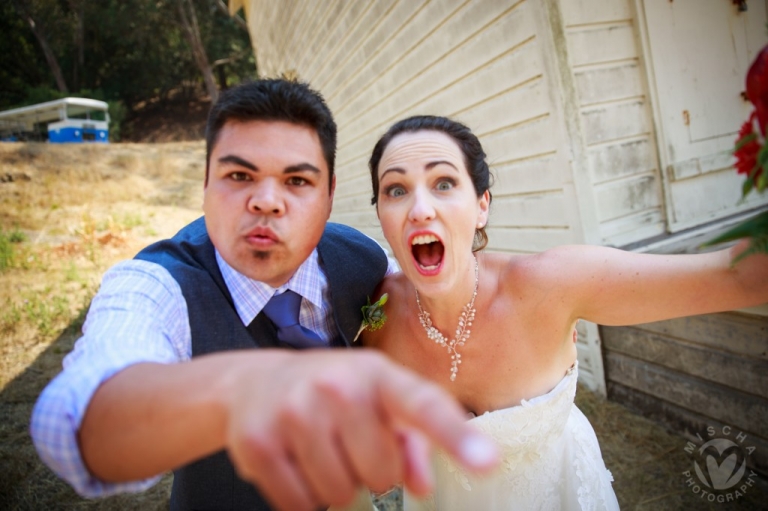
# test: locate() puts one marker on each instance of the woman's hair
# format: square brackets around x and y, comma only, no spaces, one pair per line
[474,156]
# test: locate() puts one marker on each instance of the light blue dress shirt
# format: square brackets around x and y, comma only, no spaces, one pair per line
[140,315]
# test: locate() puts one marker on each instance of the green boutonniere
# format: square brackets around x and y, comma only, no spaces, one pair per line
[374,316]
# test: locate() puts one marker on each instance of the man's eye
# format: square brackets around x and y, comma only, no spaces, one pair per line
[395,191]
[239,176]
[444,186]
[297,181]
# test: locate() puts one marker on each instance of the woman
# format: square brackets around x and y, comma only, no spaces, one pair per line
[496,329]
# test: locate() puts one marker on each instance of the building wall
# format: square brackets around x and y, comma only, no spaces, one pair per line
[479,62]
[615,116]
[694,373]
[560,92]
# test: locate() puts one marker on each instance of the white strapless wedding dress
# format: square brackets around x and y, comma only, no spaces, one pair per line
[551,460]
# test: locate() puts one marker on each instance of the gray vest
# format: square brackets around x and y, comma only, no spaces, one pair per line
[353,265]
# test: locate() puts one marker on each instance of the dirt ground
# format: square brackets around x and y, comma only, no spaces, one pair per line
[69,212]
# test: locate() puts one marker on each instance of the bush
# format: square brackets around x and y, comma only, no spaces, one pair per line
[117,114]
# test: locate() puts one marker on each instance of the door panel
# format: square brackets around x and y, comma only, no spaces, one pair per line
[698,55]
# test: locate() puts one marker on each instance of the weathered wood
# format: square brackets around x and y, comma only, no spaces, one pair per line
[451,53]
[626,196]
[710,196]
[361,29]
[747,374]
[530,139]
[744,411]
[696,55]
[686,423]
[526,240]
[339,21]
[582,12]
[486,81]
[613,121]
[609,83]
[611,161]
[408,51]
[734,332]
[367,57]
[527,176]
[618,232]
[546,210]
[601,43]
[497,105]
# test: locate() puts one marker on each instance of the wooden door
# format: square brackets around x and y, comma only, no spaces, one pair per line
[697,53]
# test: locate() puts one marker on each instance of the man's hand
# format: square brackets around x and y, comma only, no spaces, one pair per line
[307,428]
[327,423]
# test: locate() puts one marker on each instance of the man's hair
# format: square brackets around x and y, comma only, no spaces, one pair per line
[273,100]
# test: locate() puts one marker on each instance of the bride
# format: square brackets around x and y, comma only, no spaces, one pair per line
[496,329]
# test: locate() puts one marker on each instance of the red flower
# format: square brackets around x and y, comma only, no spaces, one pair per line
[748,148]
[757,87]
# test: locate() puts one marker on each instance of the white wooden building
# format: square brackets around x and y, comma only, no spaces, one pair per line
[605,121]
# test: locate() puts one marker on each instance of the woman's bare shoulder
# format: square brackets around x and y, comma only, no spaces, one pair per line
[527,274]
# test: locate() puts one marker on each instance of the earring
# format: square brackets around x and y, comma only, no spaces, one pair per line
[480,225]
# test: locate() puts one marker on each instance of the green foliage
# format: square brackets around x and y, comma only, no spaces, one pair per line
[46,314]
[7,252]
[21,62]
[374,316]
[48,311]
[756,229]
[16,236]
[117,114]
[128,52]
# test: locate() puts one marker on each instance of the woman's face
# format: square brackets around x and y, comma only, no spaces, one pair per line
[428,208]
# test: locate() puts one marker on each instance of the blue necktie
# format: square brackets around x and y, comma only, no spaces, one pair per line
[283,310]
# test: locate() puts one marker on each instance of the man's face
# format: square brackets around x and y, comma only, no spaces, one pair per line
[267,199]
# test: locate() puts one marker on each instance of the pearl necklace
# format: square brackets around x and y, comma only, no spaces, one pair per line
[462,330]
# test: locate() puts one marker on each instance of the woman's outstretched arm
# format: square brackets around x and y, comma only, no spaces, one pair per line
[615,287]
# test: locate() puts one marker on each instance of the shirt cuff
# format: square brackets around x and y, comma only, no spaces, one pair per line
[56,421]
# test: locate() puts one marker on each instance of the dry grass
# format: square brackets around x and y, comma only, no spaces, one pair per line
[67,213]
[647,462]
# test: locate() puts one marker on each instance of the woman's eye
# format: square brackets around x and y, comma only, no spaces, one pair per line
[395,191]
[444,186]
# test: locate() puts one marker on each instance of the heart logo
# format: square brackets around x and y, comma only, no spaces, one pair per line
[721,457]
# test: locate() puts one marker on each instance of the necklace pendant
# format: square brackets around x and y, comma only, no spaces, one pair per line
[462,334]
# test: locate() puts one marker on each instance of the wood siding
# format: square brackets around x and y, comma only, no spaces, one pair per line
[478,62]
[486,63]
[693,373]
[616,119]
[557,90]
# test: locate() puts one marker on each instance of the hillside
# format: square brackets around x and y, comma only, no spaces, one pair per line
[169,120]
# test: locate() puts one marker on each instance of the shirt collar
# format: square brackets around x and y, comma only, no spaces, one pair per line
[250,296]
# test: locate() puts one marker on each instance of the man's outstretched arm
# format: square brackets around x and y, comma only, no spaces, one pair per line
[307,428]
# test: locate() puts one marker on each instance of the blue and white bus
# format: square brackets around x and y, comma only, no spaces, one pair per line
[62,120]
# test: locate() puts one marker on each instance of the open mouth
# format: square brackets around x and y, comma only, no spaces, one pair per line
[427,251]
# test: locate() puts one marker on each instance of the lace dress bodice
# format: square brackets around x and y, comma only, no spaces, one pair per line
[551,460]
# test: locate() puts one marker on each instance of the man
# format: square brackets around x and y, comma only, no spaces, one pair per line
[164,376]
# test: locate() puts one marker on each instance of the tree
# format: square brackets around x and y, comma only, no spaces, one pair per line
[78,9]
[132,51]
[25,11]
[191,28]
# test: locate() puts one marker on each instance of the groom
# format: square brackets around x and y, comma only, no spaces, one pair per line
[182,364]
